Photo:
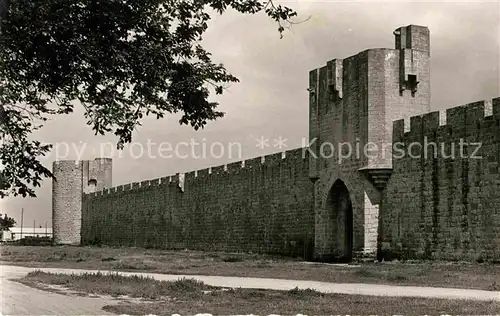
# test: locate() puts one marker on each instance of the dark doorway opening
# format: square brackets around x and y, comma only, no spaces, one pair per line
[348,233]
[340,205]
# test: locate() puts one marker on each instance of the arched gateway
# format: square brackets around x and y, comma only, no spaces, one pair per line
[339,206]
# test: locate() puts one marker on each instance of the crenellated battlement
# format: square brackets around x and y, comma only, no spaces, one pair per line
[67,162]
[135,186]
[234,168]
[469,117]
[268,197]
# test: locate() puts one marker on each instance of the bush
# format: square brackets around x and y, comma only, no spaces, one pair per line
[35,241]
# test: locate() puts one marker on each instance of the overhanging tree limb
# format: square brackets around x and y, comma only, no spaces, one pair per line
[122,60]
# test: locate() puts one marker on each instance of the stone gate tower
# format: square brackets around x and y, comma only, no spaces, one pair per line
[72,179]
[353,103]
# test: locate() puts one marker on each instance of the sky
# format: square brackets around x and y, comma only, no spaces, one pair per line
[271,100]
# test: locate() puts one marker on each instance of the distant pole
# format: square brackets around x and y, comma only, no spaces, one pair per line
[22,217]
[45,229]
[34,226]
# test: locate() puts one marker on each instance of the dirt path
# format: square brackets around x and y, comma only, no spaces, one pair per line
[279,284]
[18,299]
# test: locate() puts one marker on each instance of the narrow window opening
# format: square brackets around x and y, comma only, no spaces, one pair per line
[412,84]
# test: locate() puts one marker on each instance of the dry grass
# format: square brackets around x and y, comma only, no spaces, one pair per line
[262,302]
[116,285]
[188,296]
[460,275]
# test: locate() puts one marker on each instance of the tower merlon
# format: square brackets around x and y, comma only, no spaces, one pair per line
[413,37]
[496,107]
[454,118]
[412,41]
[334,78]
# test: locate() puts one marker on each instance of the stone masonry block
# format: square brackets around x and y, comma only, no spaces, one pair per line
[416,125]
[398,130]
[203,173]
[234,167]
[189,176]
[218,170]
[254,163]
[474,113]
[496,108]
[430,121]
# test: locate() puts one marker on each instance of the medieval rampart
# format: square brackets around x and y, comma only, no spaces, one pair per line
[261,205]
[428,188]
[444,202]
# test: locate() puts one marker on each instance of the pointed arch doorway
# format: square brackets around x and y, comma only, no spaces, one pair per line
[340,207]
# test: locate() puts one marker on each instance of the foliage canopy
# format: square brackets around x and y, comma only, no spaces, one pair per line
[121,60]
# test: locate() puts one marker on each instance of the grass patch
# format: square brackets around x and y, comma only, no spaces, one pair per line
[189,296]
[233,259]
[365,273]
[307,293]
[121,265]
[242,302]
[396,278]
[117,285]
[484,276]
[108,259]
[389,276]
[495,286]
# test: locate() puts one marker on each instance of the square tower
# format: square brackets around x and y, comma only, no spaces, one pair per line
[353,103]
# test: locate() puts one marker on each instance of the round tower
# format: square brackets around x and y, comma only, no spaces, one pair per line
[72,180]
[67,201]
